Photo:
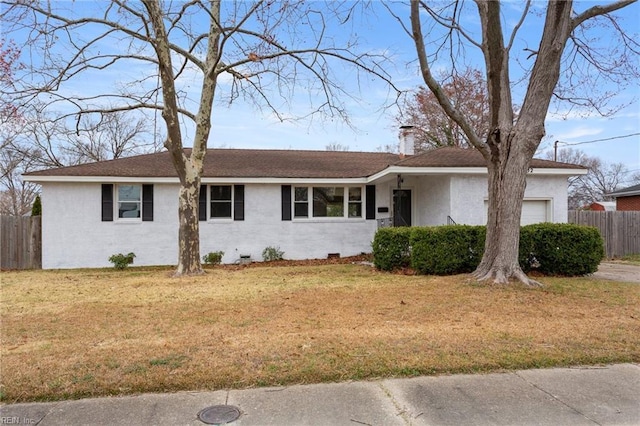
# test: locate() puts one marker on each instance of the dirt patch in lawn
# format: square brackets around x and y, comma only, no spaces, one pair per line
[360,259]
[69,334]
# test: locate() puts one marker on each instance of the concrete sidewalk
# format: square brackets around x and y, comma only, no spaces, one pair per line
[607,395]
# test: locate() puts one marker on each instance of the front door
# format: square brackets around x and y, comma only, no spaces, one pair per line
[401,207]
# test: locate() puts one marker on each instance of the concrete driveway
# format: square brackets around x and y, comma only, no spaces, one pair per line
[618,272]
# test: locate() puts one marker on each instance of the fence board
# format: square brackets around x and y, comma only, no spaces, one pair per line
[620,230]
[20,242]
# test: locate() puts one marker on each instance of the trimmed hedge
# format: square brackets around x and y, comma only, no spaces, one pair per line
[549,248]
[446,250]
[560,249]
[391,248]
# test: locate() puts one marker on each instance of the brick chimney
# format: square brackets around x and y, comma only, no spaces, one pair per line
[407,141]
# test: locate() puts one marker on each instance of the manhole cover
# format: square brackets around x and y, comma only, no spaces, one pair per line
[219,414]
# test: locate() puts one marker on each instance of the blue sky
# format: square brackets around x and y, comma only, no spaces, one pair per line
[375,127]
[242,125]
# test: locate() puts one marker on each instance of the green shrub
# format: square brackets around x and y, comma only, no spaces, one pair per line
[36,209]
[560,249]
[121,261]
[270,254]
[213,258]
[548,248]
[446,250]
[391,248]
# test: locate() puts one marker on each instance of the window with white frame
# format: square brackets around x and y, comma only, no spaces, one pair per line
[327,202]
[221,201]
[301,202]
[129,201]
[355,201]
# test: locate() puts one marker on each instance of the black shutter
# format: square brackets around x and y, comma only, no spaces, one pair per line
[370,193]
[147,203]
[286,202]
[238,202]
[107,202]
[202,203]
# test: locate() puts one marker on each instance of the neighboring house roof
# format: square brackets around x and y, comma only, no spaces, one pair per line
[250,163]
[626,192]
[607,205]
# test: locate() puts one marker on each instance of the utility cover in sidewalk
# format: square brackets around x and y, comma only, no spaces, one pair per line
[219,414]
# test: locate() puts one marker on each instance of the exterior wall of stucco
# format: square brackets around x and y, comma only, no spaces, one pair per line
[462,197]
[429,198]
[468,195]
[74,235]
[433,200]
[298,239]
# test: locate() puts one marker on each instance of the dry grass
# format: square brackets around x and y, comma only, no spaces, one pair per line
[633,259]
[69,334]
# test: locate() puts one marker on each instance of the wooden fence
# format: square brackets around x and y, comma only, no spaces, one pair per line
[20,242]
[620,230]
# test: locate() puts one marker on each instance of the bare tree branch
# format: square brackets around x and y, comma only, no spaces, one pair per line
[431,82]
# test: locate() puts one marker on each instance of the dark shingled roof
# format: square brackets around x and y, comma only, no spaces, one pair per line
[252,163]
[458,157]
[629,191]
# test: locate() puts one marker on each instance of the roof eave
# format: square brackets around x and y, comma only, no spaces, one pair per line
[392,170]
[623,194]
[558,171]
[205,180]
[97,179]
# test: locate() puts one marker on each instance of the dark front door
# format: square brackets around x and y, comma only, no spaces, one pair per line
[401,207]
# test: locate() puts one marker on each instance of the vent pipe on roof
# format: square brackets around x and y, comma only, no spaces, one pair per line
[407,141]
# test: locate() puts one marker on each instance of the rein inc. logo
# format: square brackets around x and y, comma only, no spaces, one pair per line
[16,420]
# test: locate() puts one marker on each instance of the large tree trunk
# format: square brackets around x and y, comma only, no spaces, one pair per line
[189,168]
[188,217]
[189,229]
[507,182]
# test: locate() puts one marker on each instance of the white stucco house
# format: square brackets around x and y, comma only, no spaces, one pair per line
[308,203]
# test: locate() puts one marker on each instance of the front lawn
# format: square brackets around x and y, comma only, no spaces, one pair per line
[71,334]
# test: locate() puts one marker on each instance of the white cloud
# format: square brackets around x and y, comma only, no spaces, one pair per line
[578,132]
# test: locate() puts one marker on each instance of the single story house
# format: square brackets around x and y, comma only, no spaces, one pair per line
[308,203]
[627,199]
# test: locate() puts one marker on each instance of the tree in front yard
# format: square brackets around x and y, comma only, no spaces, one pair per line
[180,59]
[551,67]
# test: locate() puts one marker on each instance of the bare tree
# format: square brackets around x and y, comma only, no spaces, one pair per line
[16,196]
[512,140]
[9,64]
[335,146]
[49,142]
[114,135]
[260,51]
[432,126]
[35,141]
[601,178]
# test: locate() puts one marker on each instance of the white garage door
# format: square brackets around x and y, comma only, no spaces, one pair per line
[534,211]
